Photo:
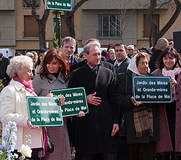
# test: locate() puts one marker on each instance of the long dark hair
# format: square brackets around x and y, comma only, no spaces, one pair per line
[50,55]
[171,52]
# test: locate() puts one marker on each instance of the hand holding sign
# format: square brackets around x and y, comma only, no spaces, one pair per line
[61,100]
[173,83]
[73,101]
[81,114]
[135,102]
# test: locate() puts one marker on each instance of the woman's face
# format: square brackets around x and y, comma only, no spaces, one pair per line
[41,57]
[25,74]
[143,66]
[169,61]
[53,66]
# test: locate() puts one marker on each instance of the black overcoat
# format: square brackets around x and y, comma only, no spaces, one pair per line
[93,132]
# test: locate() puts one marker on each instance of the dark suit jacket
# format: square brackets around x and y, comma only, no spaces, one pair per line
[122,67]
[93,132]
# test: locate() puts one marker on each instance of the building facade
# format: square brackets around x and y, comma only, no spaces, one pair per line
[125,21]
[7,25]
[18,28]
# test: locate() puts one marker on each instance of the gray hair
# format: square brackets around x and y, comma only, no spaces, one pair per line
[93,40]
[17,63]
[89,45]
[68,39]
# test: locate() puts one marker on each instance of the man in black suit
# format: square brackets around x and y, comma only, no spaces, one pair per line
[121,65]
[94,133]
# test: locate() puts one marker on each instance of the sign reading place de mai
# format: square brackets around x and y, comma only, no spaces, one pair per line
[75,100]
[62,5]
[152,89]
[44,111]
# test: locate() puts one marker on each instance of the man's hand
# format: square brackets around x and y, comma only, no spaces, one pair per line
[93,99]
[115,129]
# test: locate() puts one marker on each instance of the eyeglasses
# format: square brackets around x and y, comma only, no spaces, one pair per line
[119,50]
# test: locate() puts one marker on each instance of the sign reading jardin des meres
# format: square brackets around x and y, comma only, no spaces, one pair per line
[75,100]
[44,111]
[150,89]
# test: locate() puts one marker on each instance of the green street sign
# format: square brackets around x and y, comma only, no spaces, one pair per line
[75,100]
[152,89]
[44,111]
[62,5]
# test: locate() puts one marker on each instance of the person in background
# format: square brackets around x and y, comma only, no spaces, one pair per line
[159,47]
[120,65]
[35,57]
[32,56]
[13,105]
[68,48]
[122,59]
[40,60]
[4,78]
[112,56]
[104,55]
[169,145]
[130,49]
[52,76]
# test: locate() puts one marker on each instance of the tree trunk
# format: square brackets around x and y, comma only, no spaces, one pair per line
[171,20]
[42,41]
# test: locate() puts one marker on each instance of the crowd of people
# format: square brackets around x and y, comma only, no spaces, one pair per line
[111,129]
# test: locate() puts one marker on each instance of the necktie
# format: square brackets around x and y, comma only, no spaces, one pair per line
[116,68]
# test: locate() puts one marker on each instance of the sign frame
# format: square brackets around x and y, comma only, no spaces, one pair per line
[152,77]
[56,8]
[68,89]
[44,125]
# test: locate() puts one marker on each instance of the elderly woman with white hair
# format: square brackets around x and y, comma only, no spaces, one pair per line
[13,104]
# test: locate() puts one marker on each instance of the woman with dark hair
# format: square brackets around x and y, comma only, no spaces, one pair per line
[52,76]
[169,144]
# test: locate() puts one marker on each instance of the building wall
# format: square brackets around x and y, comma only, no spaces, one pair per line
[119,4]
[24,43]
[89,27]
[7,5]
[7,25]
[87,24]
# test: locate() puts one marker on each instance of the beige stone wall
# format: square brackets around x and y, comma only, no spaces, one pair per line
[7,4]
[7,25]
[25,42]
[86,20]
